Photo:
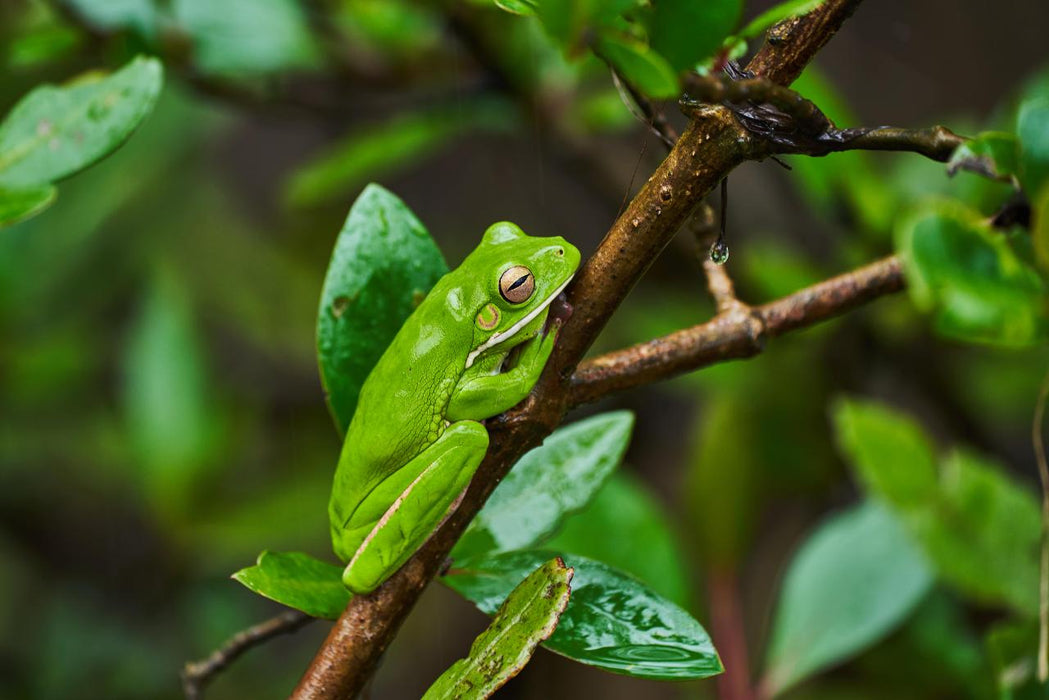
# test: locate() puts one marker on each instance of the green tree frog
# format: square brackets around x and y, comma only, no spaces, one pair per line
[416,438]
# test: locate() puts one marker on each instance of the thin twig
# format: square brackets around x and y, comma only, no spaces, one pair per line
[653,118]
[1043,475]
[197,674]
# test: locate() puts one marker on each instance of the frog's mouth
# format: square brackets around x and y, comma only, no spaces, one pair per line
[514,329]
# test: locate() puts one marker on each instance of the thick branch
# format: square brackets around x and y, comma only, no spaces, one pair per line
[705,153]
[735,334]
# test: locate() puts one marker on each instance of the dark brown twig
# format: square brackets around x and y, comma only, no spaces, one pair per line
[197,674]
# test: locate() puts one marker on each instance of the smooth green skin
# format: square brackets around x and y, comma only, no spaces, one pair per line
[416,438]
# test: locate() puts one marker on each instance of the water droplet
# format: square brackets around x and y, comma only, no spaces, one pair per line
[719,252]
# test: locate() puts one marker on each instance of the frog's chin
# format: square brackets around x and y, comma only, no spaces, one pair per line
[516,328]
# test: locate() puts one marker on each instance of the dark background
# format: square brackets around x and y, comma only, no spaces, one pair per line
[116,543]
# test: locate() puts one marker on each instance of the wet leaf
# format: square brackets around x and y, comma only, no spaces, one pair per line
[54,131]
[299,581]
[18,205]
[852,582]
[528,616]
[625,527]
[613,621]
[383,264]
[550,482]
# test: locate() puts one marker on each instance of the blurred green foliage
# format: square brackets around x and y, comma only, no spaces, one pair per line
[161,419]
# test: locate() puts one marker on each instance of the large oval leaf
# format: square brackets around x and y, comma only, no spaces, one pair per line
[625,526]
[850,584]
[383,265]
[54,131]
[298,581]
[613,621]
[684,31]
[551,481]
[528,616]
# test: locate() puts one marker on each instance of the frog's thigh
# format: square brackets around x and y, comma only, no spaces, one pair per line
[444,470]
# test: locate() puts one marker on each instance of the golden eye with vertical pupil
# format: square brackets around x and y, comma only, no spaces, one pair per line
[517,284]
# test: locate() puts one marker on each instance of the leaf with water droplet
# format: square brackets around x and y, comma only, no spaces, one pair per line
[719,252]
[613,621]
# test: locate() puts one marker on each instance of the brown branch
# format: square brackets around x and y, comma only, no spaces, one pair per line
[713,145]
[738,333]
[197,674]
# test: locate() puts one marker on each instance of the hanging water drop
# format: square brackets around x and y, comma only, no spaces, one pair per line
[719,252]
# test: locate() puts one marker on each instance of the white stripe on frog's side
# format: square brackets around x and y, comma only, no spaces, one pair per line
[512,330]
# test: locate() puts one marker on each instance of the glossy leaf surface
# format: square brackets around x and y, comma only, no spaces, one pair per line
[613,621]
[383,264]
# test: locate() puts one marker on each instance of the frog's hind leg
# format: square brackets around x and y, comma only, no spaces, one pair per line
[439,475]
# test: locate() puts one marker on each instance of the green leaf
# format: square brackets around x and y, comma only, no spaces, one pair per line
[18,205]
[1040,228]
[984,522]
[568,21]
[551,481]
[890,454]
[970,278]
[627,528]
[685,32]
[247,37]
[971,520]
[640,66]
[1032,127]
[778,13]
[299,581]
[55,131]
[517,7]
[169,413]
[853,581]
[383,264]
[613,621]
[528,616]
[993,154]
[140,15]
[384,149]
[1013,652]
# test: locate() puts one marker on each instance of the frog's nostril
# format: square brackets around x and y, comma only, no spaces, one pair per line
[560,251]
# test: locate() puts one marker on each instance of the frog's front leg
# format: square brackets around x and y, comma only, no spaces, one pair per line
[487,395]
[413,502]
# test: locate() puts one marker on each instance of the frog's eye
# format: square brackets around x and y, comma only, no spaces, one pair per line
[517,284]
